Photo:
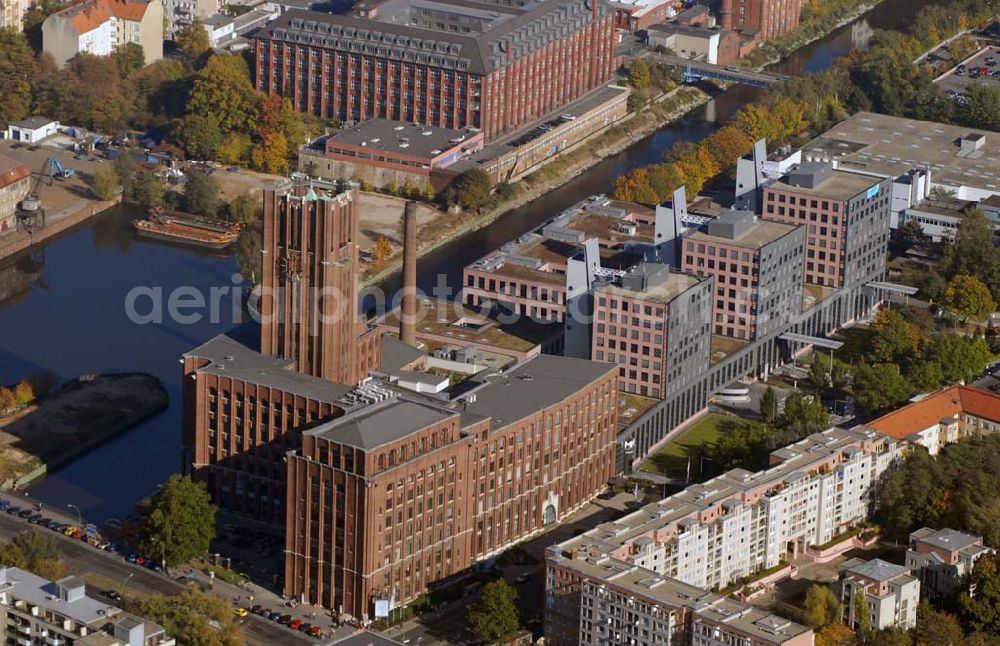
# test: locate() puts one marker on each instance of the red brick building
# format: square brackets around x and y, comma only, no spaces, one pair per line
[447,64]
[763,18]
[395,496]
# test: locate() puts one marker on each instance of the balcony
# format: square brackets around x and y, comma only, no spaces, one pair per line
[55,640]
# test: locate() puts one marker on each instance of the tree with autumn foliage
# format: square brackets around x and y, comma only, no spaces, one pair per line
[382,250]
[894,339]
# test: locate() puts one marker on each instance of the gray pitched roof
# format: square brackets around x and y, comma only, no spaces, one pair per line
[381,423]
[879,570]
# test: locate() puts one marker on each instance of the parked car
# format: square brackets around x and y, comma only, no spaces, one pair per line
[316,631]
[13,511]
[285,619]
[56,526]
[35,519]
[113,595]
[69,529]
[4,504]
[305,628]
[294,624]
[132,557]
[140,560]
[26,513]
[257,609]
[241,612]
[274,615]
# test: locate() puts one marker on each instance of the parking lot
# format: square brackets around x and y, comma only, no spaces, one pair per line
[983,68]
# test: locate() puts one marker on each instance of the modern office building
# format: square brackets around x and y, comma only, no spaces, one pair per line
[941,417]
[34,610]
[891,595]
[394,496]
[846,216]
[654,323]
[757,265]
[731,526]
[450,64]
[99,26]
[941,557]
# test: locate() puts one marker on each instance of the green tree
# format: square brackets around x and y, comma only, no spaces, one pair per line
[960,359]
[803,416]
[982,109]
[937,628]
[821,607]
[199,136]
[818,374]
[495,616]
[193,618]
[105,183]
[180,521]
[201,195]
[17,67]
[126,169]
[472,189]
[741,443]
[235,148]
[130,58]
[247,209]
[147,189]
[192,39]
[862,616]
[880,386]
[223,90]
[35,16]
[909,235]
[893,338]
[924,376]
[638,74]
[769,405]
[891,636]
[980,600]
[35,552]
[973,253]
[969,298]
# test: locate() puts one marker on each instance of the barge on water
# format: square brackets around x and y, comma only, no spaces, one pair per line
[184,228]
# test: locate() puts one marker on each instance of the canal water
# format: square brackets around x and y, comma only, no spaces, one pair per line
[63,308]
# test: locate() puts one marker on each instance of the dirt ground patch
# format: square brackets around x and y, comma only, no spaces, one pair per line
[74,419]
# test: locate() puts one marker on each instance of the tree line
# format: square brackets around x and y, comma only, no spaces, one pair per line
[881,79]
[202,102]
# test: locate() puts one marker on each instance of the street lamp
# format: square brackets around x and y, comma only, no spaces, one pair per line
[125,582]
[79,514]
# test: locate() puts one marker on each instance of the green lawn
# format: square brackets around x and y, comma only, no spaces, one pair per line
[671,460]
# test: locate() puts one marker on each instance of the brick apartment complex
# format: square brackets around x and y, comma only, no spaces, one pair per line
[762,19]
[757,265]
[653,323]
[846,216]
[489,65]
[381,491]
[395,496]
[941,557]
[711,534]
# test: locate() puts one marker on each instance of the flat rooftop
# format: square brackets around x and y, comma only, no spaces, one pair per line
[42,592]
[891,146]
[463,326]
[947,206]
[764,626]
[235,354]
[401,137]
[763,232]
[841,185]
[366,638]
[381,423]
[670,286]
[536,384]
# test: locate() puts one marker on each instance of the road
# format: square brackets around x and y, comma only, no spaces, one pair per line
[88,562]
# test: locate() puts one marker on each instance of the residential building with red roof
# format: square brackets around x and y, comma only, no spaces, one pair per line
[944,416]
[15,182]
[99,26]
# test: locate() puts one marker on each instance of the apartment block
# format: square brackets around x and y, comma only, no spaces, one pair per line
[178,13]
[654,324]
[99,26]
[847,220]
[947,415]
[12,14]
[941,557]
[757,265]
[891,594]
[494,66]
[396,495]
[34,610]
[728,527]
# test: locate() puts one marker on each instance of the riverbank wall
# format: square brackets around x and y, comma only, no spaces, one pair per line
[55,224]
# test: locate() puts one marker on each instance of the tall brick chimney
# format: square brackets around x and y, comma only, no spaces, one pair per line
[727,19]
[408,303]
